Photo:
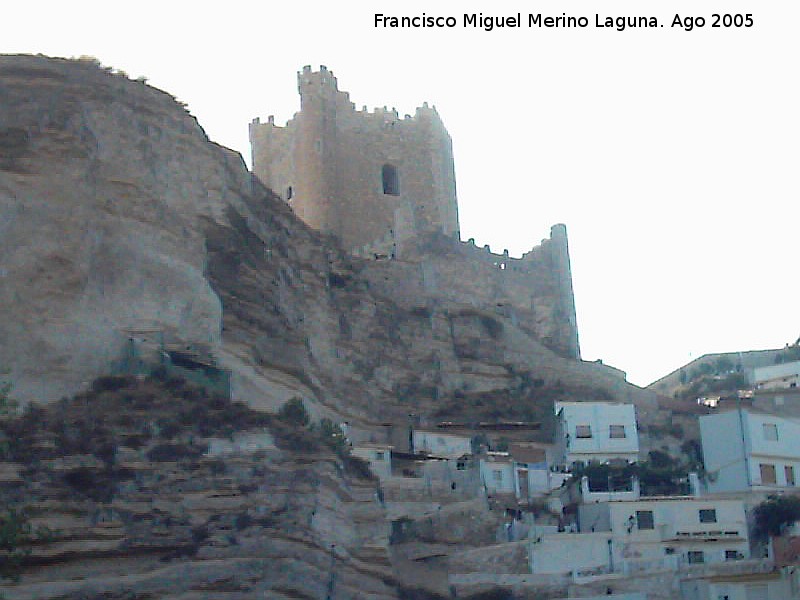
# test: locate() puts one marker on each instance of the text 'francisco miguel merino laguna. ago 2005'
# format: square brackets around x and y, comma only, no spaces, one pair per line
[563,21]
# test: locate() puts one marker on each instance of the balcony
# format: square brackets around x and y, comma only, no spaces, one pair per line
[703,532]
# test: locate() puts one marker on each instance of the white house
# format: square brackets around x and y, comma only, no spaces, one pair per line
[596,431]
[497,473]
[745,450]
[691,530]
[781,376]
[379,457]
[522,471]
[774,585]
[440,443]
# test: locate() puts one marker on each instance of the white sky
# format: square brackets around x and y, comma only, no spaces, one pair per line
[671,156]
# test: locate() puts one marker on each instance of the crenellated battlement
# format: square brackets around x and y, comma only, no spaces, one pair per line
[385,186]
[358,174]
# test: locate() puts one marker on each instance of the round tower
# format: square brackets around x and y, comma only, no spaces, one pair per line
[314,149]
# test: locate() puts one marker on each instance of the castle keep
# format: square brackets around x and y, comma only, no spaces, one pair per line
[368,177]
[385,186]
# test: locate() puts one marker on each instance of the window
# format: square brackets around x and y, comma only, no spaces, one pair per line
[770,432]
[695,557]
[732,555]
[616,431]
[379,456]
[669,551]
[644,519]
[583,431]
[767,474]
[789,472]
[498,476]
[461,466]
[708,515]
[289,193]
[391,185]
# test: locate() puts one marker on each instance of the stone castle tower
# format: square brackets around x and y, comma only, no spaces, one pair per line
[386,187]
[371,178]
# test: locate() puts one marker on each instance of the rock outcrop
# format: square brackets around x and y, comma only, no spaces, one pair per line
[118,215]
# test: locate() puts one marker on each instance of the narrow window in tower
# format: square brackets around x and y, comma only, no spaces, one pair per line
[289,193]
[391,185]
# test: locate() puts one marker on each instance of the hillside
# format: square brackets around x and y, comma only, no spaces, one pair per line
[120,217]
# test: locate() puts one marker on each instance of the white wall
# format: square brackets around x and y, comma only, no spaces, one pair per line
[599,416]
[446,445]
[503,483]
[565,552]
[773,376]
[379,459]
[677,526]
[735,445]
[703,589]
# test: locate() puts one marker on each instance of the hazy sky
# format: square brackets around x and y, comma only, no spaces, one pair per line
[672,156]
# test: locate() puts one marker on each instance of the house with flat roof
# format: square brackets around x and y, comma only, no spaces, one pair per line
[746,450]
[596,431]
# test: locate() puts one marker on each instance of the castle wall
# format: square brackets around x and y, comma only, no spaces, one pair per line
[332,156]
[534,291]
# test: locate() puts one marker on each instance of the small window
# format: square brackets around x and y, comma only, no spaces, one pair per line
[644,519]
[391,185]
[708,515]
[380,456]
[289,193]
[732,555]
[461,466]
[770,432]
[789,472]
[583,431]
[498,476]
[669,551]
[767,474]
[616,431]
[695,557]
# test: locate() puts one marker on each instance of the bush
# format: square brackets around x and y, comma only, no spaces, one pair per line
[332,436]
[15,536]
[294,412]
[774,514]
[111,383]
[173,452]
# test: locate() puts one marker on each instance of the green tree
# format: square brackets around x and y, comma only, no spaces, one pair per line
[775,513]
[8,409]
[332,435]
[16,537]
[294,412]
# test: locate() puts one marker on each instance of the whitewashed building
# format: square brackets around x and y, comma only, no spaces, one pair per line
[634,537]
[745,450]
[497,473]
[780,376]
[693,530]
[379,457]
[441,443]
[523,471]
[774,585]
[596,431]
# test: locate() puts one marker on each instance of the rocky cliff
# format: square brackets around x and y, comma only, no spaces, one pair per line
[118,215]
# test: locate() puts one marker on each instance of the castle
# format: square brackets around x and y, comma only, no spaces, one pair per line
[385,186]
[364,176]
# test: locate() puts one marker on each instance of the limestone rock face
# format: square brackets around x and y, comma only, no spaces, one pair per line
[103,182]
[117,213]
